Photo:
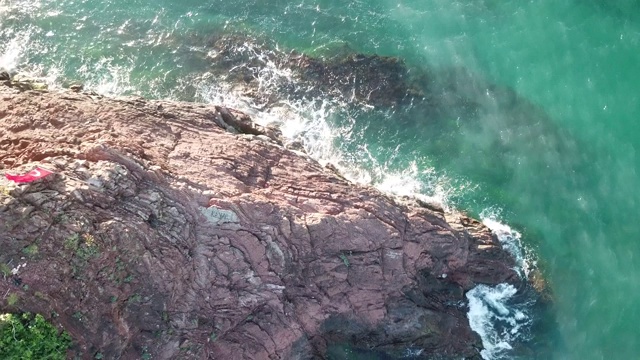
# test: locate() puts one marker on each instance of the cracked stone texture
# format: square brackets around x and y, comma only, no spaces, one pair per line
[165,233]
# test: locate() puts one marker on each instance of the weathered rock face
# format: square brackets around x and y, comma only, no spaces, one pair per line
[162,233]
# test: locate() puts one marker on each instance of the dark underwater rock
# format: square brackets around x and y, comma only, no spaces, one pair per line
[370,79]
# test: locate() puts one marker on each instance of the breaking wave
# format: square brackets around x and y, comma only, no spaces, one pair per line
[497,318]
[511,240]
[496,313]
[12,51]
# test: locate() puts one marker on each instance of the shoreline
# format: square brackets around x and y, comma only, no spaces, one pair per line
[256,184]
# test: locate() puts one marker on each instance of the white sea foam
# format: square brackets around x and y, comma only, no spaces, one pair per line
[16,7]
[511,241]
[496,319]
[106,78]
[12,52]
[493,312]
[21,43]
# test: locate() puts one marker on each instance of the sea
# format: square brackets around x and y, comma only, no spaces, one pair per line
[530,122]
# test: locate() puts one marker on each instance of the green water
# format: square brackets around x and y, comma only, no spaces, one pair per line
[549,143]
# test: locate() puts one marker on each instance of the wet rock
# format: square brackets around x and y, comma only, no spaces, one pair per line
[295,145]
[186,234]
[39,86]
[76,87]
[4,75]
[25,82]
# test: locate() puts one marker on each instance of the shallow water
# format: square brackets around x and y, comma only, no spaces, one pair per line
[539,129]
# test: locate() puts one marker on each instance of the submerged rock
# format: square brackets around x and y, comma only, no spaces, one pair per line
[374,79]
[163,233]
[370,79]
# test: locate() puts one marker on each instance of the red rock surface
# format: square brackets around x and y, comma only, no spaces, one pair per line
[162,233]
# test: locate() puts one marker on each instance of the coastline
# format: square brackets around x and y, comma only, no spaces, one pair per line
[351,264]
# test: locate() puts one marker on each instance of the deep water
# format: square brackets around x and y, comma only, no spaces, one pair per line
[532,119]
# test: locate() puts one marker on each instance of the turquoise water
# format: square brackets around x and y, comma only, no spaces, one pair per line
[544,140]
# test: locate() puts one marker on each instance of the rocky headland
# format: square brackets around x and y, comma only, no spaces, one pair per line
[180,230]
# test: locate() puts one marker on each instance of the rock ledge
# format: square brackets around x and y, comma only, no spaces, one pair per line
[185,231]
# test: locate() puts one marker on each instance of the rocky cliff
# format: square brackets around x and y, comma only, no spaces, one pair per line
[177,230]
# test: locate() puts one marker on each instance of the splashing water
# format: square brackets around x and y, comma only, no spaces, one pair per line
[496,319]
[494,311]
[511,240]
[11,56]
